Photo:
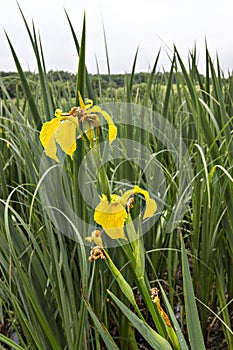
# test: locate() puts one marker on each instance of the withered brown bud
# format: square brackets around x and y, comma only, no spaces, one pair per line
[97,252]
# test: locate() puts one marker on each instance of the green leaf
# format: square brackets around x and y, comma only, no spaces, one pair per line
[153,338]
[37,48]
[193,322]
[108,340]
[182,343]
[91,93]
[10,342]
[26,88]
[81,65]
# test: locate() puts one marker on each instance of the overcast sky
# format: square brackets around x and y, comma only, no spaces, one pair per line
[149,24]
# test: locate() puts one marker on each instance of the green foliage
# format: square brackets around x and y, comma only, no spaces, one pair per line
[55,297]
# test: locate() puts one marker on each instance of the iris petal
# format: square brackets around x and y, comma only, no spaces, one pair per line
[111,216]
[65,135]
[62,130]
[151,205]
[81,103]
[112,129]
[47,137]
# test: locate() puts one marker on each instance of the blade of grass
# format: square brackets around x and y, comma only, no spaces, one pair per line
[108,340]
[47,101]
[26,88]
[193,322]
[91,93]
[154,339]
[130,83]
[10,342]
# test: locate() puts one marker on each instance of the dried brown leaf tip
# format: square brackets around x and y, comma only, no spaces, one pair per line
[97,252]
[154,292]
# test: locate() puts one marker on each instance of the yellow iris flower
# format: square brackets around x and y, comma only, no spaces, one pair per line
[62,129]
[112,215]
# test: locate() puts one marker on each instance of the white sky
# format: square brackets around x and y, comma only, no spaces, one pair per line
[149,24]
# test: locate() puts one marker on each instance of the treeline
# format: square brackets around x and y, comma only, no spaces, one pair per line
[64,82]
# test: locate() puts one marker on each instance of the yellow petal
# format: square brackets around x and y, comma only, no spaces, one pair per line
[48,130]
[137,189]
[88,103]
[151,206]
[47,137]
[81,103]
[58,113]
[115,233]
[65,135]
[126,195]
[111,216]
[90,134]
[112,129]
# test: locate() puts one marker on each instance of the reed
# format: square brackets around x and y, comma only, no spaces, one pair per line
[56,298]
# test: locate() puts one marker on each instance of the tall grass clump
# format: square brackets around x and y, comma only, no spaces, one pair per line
[167,289]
